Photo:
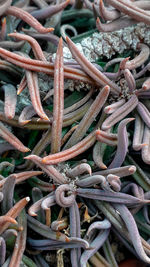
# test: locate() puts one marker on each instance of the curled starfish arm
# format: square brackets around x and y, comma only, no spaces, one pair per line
[28,18]
[146,149]
[32,83]
[91,70]
[92,180]
[47,12]
[133,231]
[58,106]
[107,138]
[34,44]
[122,146]
[12,139]
[61,199]
[48,201]
[89,117]
[79,169]
[120,113]
[138,60]
[115,25]
[138,133]
[71,152]
[114,181]
[130,9]
[113,107]
[50,170]
[100,225]
[107,14]
[98,153]
[144,113]
[96,245]
[10,100]
[34,208]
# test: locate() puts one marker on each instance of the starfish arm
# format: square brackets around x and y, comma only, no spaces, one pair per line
[42,66]
[12,139]
[4,6]
[90,69]
[47,12]
[89,117]
[107,14]
[98,153]
[146,84]
[130,9]
[58,105]
[138,60]
[133,231]
[146,149]
[91,181]
[32,83]
[71,152]
[120,113]
[144,113]
[26,115]
[50,170]
[130,80]
[121,171]
[61,199]
[10,100]
[138,133]
[122,146]
[79,169]
[34,208]
[25,16]
[115,25]
[107,138]
[96,244]
[113,107]
[34,44]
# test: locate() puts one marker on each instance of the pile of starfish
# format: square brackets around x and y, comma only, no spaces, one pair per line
[84,148]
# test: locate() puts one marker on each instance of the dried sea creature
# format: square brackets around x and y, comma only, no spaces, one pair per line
[71,126]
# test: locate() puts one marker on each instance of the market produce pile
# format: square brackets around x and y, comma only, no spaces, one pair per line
[74,132]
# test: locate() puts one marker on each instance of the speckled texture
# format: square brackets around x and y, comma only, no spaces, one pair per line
[108,44]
